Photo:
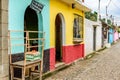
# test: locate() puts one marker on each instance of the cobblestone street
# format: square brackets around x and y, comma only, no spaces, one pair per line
[105,65]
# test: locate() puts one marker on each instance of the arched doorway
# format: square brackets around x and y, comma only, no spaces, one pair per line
[30,20]
[31,24]
[59,36]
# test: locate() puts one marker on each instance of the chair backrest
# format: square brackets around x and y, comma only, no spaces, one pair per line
[24,43]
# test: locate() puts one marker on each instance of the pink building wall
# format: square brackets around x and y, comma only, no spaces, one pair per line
[115,36]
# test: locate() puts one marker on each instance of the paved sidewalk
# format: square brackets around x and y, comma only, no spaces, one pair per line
[104,65]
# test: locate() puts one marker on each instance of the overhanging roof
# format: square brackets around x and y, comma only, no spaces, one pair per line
[78,4]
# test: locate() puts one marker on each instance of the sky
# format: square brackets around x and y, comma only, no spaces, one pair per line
[113,8]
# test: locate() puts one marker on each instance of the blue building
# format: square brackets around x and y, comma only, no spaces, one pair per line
[110,35]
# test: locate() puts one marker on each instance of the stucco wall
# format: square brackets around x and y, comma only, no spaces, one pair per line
[99,37]
[68,14]
[115,36]
[16,17]
[70,51]
[89,36]
[111,36]
[4,60]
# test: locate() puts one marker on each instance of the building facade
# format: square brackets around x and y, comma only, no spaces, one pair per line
[110,35]
[93,36]
[24,18]
[105,36]
[116,36]
[61,20]
[66,31]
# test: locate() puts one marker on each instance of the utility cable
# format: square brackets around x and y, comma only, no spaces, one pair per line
[115,5]
[109,3]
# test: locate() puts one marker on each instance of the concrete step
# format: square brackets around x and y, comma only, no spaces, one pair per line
[59,64]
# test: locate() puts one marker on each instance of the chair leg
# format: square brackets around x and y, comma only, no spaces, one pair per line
[12,72]
[23,73]
[30,75]
[40,70]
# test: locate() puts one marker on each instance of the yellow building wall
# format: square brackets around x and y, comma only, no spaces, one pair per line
[66,10]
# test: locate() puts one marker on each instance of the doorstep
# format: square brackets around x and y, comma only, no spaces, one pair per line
[59,64]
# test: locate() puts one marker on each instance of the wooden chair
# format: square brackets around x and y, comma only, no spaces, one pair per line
[20,62]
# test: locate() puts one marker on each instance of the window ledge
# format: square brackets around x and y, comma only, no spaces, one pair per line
[77,40]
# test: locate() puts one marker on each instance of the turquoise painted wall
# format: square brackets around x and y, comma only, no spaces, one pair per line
[110,35]
[46,21]
[16,21]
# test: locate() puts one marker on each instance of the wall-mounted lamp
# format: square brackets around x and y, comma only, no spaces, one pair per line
[73,5]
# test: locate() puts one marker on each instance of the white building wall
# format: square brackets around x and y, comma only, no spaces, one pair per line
[99,37]
[89,36]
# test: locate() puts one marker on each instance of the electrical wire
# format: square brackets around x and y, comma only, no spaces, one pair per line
[109,3]
[115,5]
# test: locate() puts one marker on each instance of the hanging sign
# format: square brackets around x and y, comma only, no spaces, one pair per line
[36,6]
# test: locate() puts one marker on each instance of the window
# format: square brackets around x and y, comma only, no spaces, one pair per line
[78,28]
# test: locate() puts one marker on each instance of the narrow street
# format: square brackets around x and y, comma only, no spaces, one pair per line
[105,65]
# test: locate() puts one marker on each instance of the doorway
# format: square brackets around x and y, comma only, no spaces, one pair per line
[59,24]
[94,38]
[31,24]
[102,37]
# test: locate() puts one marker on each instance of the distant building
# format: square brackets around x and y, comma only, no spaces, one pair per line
[93,36]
